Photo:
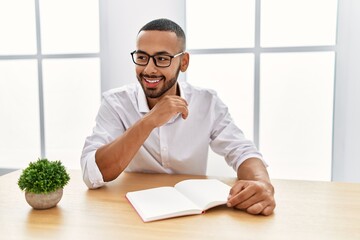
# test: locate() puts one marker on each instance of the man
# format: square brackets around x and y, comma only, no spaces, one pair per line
[164,126]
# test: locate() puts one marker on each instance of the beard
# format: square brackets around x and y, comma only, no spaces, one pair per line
[154,92]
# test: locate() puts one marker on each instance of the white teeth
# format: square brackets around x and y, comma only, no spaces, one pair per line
[152,81]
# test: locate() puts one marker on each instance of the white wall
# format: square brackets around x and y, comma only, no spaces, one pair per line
[120,22]
[346,154]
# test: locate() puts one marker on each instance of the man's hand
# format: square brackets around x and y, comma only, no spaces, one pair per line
[252,196]
[166,108]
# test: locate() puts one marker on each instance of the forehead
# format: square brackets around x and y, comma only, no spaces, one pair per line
[158,41]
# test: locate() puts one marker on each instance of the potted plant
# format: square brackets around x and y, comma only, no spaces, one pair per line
[43,183]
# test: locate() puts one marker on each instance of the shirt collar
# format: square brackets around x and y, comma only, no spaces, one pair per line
[142,102]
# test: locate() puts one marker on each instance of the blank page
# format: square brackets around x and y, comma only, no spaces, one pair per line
[162,202]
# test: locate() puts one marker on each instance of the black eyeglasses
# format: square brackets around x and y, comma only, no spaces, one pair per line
[160,60]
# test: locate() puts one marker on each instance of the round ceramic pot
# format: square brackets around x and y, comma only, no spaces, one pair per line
[44,201]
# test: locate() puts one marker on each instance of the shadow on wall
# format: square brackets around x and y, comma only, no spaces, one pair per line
[4,171]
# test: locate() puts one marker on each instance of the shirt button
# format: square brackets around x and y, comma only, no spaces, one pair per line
[164,149]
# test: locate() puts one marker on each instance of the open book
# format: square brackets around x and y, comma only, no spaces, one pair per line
[187,197]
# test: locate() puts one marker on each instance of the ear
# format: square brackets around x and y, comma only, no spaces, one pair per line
[184,61]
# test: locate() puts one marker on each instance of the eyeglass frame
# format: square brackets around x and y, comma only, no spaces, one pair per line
[153,57]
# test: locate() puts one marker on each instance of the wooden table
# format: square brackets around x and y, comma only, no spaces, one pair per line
[305,210]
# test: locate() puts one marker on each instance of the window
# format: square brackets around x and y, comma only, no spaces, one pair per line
[50,79]
[274,68]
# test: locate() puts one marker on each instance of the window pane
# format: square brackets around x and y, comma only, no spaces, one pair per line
[220,24]
[72,98]
[17,26]
[19,104]
[232,77]
[296,112]
[69,26]
[298,22]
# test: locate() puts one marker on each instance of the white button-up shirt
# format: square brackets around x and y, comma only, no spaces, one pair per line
[180,146]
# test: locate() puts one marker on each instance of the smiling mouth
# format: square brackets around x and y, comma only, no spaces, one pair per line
[152,81]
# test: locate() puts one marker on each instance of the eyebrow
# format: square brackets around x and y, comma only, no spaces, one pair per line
[157,53]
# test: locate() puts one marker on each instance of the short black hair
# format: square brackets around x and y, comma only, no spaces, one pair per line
[163,24]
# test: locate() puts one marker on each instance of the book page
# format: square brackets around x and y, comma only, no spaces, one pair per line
[163,202]
[205,193]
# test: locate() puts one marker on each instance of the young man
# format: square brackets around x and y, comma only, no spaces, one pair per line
[159,125]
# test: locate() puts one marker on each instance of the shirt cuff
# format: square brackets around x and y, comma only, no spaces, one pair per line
[93,177]
[250,156]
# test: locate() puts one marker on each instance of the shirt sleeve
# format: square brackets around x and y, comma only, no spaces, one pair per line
[108,126]
[228,140]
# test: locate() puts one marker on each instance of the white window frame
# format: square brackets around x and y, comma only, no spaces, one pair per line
[257,50]
[39,56]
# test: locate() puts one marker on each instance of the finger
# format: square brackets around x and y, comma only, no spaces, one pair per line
[264,207]
[185,102]
[241,199]
[246,203]
[268,210]
[180,106]
[257,208]
[259,196]
[178,102]
[238,187]
[185,113]
[176,99]
[176,106]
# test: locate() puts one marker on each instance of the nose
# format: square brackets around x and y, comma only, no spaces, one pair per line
[150,67]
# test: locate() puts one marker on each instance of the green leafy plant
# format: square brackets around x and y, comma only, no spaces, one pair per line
[43,176]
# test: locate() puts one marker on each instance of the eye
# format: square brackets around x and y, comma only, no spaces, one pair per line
[162,58]
[141,57]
